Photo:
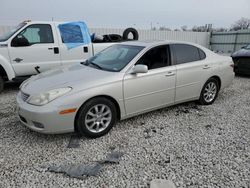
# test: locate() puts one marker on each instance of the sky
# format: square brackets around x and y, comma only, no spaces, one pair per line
[125,13]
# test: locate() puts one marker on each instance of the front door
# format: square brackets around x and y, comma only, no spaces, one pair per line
[36,49]
[154,89]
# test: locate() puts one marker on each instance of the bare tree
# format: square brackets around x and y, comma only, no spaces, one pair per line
[184,28]
[220,29]
[163,28]
[243,23]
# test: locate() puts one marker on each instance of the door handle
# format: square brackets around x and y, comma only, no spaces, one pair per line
[56,50]
[206,67]
[170,73]
[18,60]
[85,49]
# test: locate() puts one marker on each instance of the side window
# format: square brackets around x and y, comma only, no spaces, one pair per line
[185,53]
[34,34]
[156,58]
[38,34]
[202,54]
[71,33]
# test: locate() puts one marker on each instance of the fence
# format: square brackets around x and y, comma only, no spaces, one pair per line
[201,38]
[226,42]
[229,42]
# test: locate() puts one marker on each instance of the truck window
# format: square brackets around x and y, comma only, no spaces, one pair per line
[10,33]
[35,34]
[71,33]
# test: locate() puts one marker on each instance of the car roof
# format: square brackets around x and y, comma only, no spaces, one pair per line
[156,43]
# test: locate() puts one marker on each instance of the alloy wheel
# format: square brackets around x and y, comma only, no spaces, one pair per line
[98,118]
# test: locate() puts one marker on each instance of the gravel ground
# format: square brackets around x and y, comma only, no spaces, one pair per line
[193,146]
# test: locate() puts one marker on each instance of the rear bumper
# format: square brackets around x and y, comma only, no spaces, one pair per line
[44,119]
[242,65]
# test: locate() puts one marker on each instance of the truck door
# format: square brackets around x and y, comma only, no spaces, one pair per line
[75,43]
[34,49]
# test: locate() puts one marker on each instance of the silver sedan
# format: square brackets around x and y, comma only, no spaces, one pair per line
[122,81]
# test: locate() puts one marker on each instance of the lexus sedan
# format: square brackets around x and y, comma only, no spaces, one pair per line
[122,81]
[241,60]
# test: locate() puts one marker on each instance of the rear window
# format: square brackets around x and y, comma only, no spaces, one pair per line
[71,33]
[186,53]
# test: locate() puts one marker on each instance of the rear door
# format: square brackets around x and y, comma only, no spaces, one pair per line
[75,42]
[154,89]
[191,71]
[41,50]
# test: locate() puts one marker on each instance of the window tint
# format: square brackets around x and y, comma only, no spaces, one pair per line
[156,58]
[185,53]
[37,33]
[71,33]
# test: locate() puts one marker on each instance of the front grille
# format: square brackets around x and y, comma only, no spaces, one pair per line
[24,96]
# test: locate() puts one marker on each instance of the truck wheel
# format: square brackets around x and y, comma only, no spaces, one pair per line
[1,84]
[128,31]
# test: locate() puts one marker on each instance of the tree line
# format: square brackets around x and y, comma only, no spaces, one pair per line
[241,24]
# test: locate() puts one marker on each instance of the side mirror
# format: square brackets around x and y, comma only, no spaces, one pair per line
[139,69]
[19,42]
[243,47]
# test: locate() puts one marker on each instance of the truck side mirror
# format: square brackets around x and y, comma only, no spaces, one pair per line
[20,42]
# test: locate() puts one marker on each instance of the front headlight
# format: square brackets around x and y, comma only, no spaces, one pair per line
[48,96]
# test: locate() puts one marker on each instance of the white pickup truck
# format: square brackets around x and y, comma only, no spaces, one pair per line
[34,47]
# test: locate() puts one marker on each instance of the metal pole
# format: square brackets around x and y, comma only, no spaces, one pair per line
[235,42]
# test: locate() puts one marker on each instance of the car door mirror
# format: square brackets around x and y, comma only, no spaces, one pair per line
[243,47]
[20,42]
[139,69]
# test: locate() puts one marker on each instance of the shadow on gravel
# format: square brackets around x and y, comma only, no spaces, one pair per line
[12,86]
[242,76]
[191,107]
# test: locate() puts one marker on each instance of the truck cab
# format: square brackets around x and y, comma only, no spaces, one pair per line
[34,46]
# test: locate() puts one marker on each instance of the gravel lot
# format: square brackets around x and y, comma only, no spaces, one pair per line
[194,146]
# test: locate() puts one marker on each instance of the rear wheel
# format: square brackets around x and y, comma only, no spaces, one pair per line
[1,84]
[209,92]
[96,117]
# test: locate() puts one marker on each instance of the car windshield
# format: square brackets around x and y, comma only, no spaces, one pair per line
[114,58]
[248,47]
[8,34]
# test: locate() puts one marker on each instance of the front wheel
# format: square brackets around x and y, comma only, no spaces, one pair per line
[209,92]
[1,84]
[96,117]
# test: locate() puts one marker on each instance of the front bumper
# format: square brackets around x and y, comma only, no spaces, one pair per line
[44,119]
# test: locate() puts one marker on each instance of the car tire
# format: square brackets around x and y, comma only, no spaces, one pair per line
[96,117]
[130,30]
[209,92]
[1,84]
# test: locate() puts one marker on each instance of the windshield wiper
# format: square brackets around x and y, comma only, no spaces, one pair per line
[91,63]
[98,66]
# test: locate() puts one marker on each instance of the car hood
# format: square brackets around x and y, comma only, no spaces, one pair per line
[3,44]
[79,77]
[241,53]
